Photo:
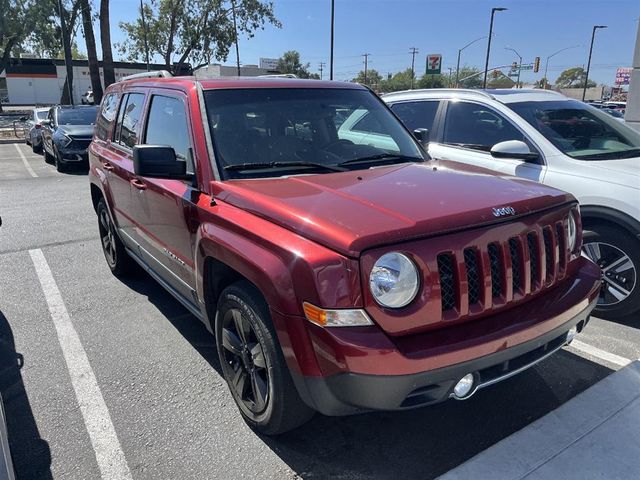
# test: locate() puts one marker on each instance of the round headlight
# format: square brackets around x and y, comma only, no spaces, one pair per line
[573,231]
[394,280]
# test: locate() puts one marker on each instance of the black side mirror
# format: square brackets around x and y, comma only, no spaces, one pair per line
[158,161]
[422,135]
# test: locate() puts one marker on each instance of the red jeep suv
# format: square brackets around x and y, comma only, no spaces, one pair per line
[340,269]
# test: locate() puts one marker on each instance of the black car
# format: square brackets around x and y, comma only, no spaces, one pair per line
[66,135]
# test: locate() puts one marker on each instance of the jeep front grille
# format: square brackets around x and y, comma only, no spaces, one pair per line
[480,277]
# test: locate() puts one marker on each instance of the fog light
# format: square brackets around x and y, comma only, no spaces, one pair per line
[464,386]
[571,334]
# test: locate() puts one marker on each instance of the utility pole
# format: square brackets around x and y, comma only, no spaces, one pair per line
[68,62]
[413,52]
[332,24]
[586,75]
[322,64]
[144,31]
[235,30]
[366,58]
[486,63]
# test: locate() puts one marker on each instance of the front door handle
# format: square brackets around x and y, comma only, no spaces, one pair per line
[107,166]
[138,184]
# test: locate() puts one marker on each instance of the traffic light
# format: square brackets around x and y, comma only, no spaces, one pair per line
[536,65]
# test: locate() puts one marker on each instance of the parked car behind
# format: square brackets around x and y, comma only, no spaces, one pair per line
[66,135]
[87,98]
[33,128]
[339,273]
[546,137]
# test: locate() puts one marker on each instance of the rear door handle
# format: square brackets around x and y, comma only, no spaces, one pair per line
[107,166]
[138,184]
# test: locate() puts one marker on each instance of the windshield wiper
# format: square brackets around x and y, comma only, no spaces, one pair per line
[263,165]
[382,157]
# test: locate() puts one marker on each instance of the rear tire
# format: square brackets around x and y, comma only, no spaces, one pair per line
[48,158]
[36,148]
[119,261]
[253,365]
[618,255]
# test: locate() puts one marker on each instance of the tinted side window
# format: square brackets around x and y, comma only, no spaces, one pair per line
[107,115]
[417,114]
[167,125]
[475,126]
[128,125]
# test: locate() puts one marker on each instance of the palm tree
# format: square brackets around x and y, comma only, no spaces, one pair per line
[105,39]
[94,69]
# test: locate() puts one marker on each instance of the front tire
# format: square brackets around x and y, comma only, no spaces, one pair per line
[61,165]
[119,261]
[48,158]
[618,255]
[253,364]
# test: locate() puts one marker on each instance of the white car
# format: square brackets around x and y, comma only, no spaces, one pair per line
[546,137]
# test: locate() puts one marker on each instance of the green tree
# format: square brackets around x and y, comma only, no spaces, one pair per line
[92,53]
[573,78]
[195,30]
[290,63]
[433,81]
[469,77]
[373,78]
[399,81]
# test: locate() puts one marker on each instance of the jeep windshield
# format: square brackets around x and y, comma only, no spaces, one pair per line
[269,132]
[580,131]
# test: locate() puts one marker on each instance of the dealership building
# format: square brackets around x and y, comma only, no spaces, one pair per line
[39,81]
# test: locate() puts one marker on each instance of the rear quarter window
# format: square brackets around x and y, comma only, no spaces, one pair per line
[107,115]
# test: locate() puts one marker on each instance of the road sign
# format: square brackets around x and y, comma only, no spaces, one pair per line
[528,66]
[434,64]
[269,63]
[623,75]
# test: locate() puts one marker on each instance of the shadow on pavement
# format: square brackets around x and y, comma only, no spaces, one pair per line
[422,443]
[30,453]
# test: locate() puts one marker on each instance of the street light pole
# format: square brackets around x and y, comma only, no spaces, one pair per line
[546,63]
[519,66]
[460,53]
[331,55]
[586,76]
[486,63]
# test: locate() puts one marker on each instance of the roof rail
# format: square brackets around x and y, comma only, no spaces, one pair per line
[481,93]
[153,74]
[279,75]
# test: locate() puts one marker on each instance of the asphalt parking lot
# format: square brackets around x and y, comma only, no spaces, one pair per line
[157,372]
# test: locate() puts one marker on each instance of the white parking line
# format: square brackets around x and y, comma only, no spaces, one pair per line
[601,354]
[24,160]
[111,459]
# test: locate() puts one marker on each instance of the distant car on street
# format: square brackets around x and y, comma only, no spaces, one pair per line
[33,128]
[66,135]
[615,113]
[88,98]
[544,136]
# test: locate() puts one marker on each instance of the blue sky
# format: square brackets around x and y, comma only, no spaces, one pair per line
[387,29]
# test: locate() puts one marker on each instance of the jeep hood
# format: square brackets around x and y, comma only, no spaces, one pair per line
[356,210]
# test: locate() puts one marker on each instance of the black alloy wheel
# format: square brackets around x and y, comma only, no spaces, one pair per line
[618,255]
[119,261]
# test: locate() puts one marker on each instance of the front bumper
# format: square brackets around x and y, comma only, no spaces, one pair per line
[348,393]
[369,371]
[74,155]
